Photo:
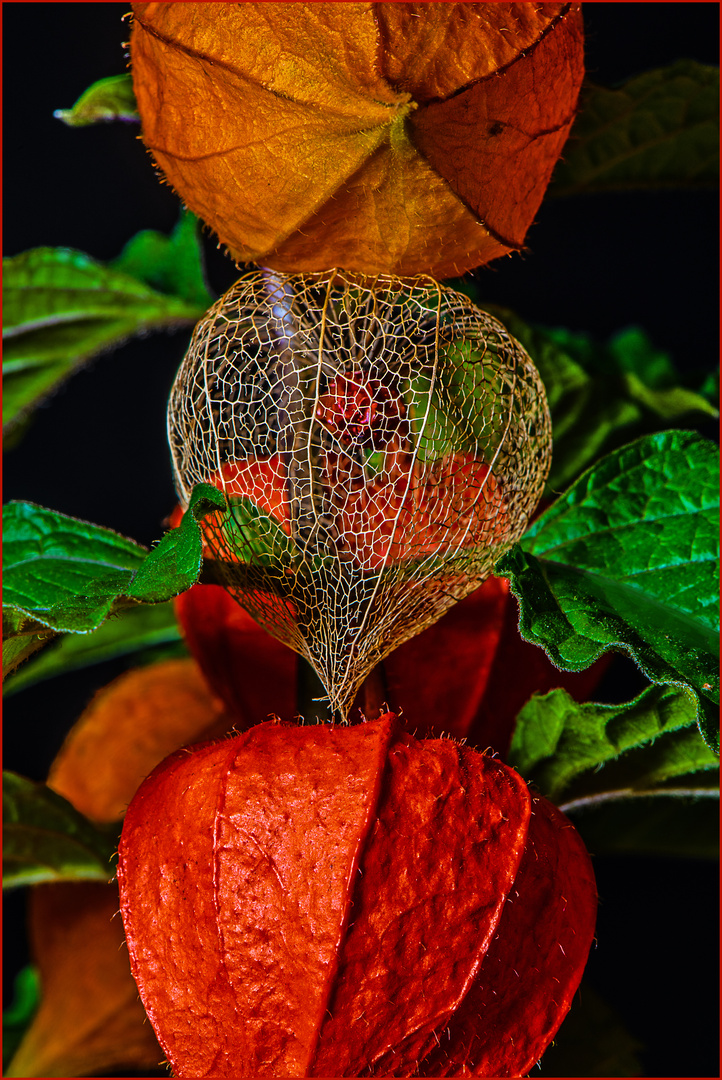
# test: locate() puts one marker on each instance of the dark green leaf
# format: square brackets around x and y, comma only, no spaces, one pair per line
[600,396]
[68,575]
[172,265]
[627,559]
[709,389]
[46,839]
[655,823]
[106,99]
[574,751]
[592,1041]
[60,308]
[659,130]
[16,1019]
[132,631]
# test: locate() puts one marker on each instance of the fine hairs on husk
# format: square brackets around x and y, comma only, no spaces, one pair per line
[380,444]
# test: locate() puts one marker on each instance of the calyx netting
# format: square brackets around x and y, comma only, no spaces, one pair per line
[380,445]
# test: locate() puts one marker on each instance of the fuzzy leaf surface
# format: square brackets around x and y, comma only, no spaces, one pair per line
[21,638]
[61,308]
[628,559]
[69,575]
[659,130]
[46,839]
[106,99]
[574,751]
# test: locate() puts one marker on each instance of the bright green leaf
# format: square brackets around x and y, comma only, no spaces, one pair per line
[68,575]
[574,751]
[659,130]
[131,631]
[60,308]
[17,1018]
[175,563]
[107,99]
[171,264]
[64,573]
[46,839]
[628,559]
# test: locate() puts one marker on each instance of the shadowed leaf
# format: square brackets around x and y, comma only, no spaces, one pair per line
[659,130]
[589,751]
[46,839]
[135,630]
[602,395]
[655,823]
[60,308]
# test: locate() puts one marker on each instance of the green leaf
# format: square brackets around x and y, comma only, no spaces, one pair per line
[257,537]
[61,308]
[64,573]
[172,265]
[68,575]
[628,559]
[601,396]
[175,563]
[659,130]
[107,99]
[46,839]
[709,389]
[131,631]
[574,751]
[17,1018]
[652,823]
[21,638]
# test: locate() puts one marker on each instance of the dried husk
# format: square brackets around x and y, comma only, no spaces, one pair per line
[127,729]
[381,138]
[90,1019]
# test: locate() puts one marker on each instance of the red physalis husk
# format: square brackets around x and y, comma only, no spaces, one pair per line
[350,901]
[476,671]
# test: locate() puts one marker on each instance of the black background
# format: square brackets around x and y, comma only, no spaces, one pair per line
[98,449]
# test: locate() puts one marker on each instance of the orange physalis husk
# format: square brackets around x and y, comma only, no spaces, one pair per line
[381,138]
[90,1020]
